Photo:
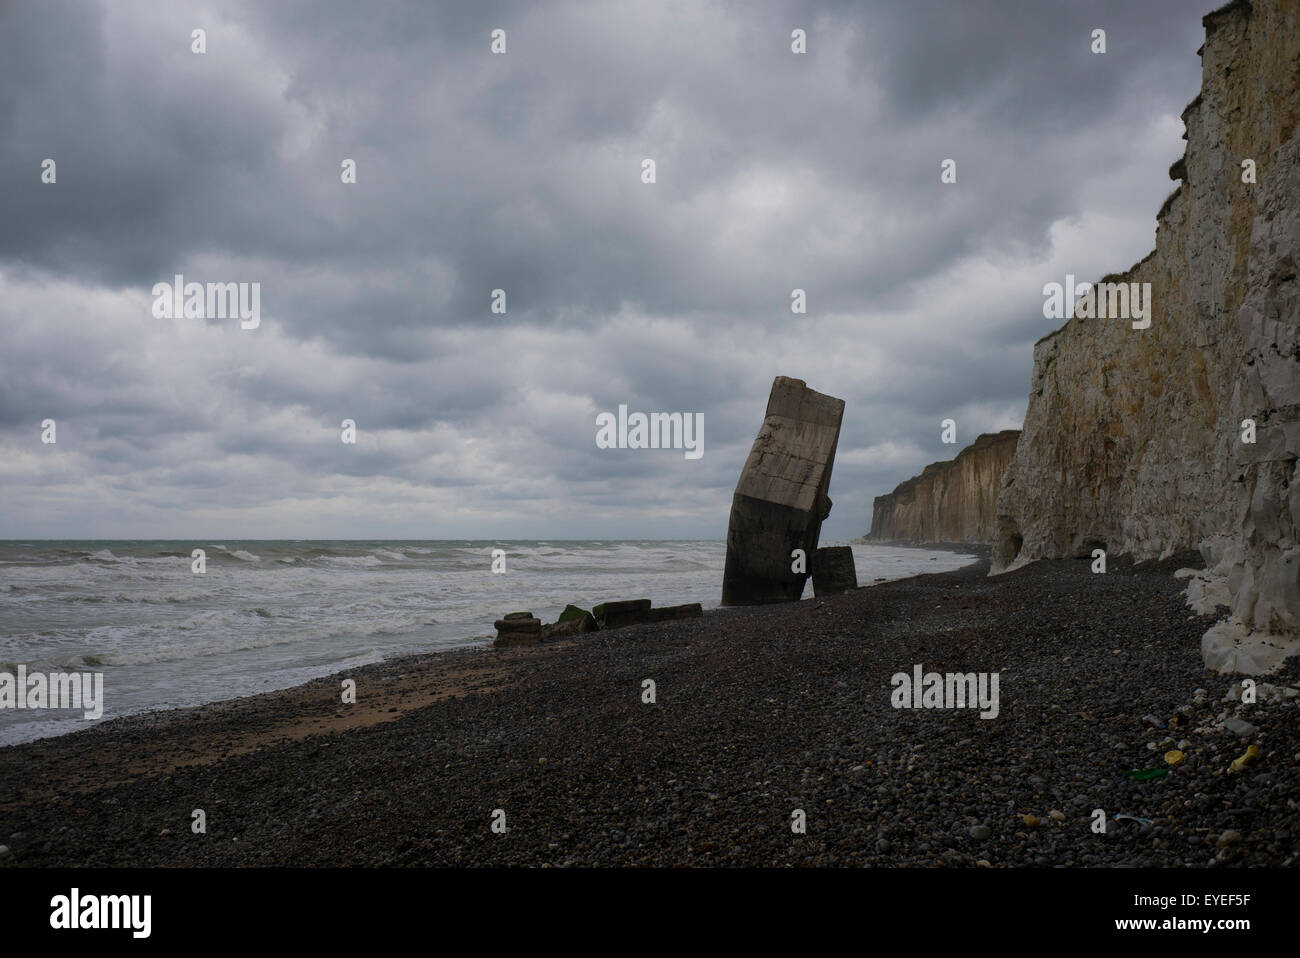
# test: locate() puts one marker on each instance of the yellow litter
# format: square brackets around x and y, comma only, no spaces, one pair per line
[1239,763]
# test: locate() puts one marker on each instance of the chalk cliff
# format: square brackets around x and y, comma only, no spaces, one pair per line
[1133,438]
[953,501]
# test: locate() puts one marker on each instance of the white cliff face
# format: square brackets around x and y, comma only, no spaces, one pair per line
[954,501]
[1133,439]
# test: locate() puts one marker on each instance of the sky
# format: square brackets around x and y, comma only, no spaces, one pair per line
[523,171]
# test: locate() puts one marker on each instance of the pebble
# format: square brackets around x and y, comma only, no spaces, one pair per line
[980,832]
[1228,838]
[1056,815]
[1031,821]
[1239,727]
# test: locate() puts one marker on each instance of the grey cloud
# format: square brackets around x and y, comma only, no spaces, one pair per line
[522,172]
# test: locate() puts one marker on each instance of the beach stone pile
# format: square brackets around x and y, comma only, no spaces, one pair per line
[524,628]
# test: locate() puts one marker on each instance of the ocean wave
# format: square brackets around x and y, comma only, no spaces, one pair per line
[73,663]
[239,554]
[366,560]
[320,552]
[155,597]
[230,633]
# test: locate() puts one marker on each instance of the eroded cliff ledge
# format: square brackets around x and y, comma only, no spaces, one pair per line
[953,501]
[1133,438]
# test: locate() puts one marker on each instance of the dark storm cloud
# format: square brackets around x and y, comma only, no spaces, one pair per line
[522,172]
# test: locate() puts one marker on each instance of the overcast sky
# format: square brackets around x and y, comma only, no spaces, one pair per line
[523,171]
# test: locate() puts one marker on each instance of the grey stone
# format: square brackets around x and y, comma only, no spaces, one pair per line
[1239,727]
[518,625]
[518,631]
[1229,838]
[589,623]
[562,630]
[505,639]
[833,571]
[692,610]
[782,496]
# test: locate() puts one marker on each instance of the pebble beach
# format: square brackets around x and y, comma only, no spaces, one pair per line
[758,714]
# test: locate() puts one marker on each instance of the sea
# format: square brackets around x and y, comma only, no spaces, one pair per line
[270,614]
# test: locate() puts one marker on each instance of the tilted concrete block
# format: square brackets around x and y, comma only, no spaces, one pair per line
[781,498]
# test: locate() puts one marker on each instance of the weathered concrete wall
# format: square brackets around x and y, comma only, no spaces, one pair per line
[1133,437]
[952,501]
[781,498]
